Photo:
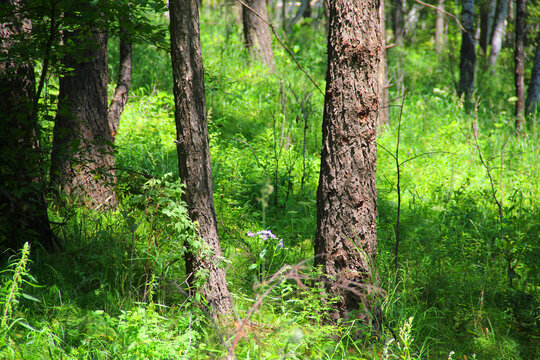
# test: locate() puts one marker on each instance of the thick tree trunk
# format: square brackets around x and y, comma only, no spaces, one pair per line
[533,91]
[120,96]
[439,28]
[487,15]
[194,154]
[23,211]
[82,159]
[519,57]
[346,236]
[257,32]
[497,34]
[468,53]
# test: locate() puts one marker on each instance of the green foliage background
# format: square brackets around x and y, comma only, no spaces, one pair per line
[461,291]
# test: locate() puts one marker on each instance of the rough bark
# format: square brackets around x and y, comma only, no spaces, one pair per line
[533,91]
[121,92]
[194,154]
[468,53]
[499,26]
[346,236]
[82,159]
[487,15]
[439,28]
[519,58]
[257,32]
[23,211]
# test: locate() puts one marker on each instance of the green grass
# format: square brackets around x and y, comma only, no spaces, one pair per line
[116,289]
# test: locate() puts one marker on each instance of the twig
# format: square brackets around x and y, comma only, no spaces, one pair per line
[444,12]
[281,43]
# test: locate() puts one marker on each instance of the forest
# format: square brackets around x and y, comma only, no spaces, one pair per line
[269,179]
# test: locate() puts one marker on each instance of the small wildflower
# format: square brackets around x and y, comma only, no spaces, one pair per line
[250,234]
[280,243]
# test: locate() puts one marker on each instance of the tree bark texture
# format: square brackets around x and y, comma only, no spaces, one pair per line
[123,84]
[439,28]
[346,237]
[468,51]
[23,211]
[487,15]
[519,58]
[82,158]
[533,91]
[257,32]
[194,154]
[499,26]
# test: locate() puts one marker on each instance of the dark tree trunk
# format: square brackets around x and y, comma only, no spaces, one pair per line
[519,57]
[346,236]
[487,15]
[398,17]
[497,34]
[468,54]
[82,159]
[120,97]
[384,113]
[257,32]
[531,103]
[23,211]
[439,28]
[194,154]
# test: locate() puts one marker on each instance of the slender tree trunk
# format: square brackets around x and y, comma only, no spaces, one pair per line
[468,53]
[346,236]
[194,154]
[398,17]
[531,103]
[23,211]
[519,57]
[411,21]
[82,158]
[123,84]
[439,28]
[257,32]
[497,34]
[384,113]
[487,15]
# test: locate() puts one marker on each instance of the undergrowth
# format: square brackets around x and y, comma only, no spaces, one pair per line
[462,291]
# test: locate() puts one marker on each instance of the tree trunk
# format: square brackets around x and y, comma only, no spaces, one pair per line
[411,21]
[398,17]
[531,103]
[468,54]
[23,211]
[257,32]
[439,28]
[120,96]
[498,32]
[384,113]
[82,158]
[194,154]
[487,15]
[519,57]
[346,237]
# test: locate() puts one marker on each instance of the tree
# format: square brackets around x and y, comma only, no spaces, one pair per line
[439,28]
[82,158]
[23,211]
[194,153]
[497,34]
[487,14]
[257,32]
[384,113]
[468,52]
[531,103]
[346,237]
[519,57]
[398,17]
